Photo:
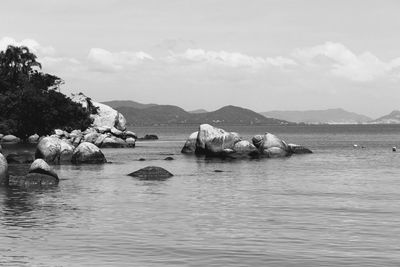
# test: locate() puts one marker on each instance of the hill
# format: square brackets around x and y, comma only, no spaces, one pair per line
[172,115]
[198,111]
[127,103]
[392,118]
[329,116]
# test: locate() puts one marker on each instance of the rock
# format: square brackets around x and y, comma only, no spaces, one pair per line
[215,141]
[10,139]
[100,139]
[190,145]
[20,158]
[142,159]
[110,142]
[33,138]
[1,149]
[218,171]
[3,170]
[106,116]
[41,166]
[270,145]
[149,137]
[130,134]
[151,173]
[88,153]
[59,132]
[116,132]
[33,179]
[54,150]
[91,137]
[296,149]
[1,136]
[103,129]
[169,158]
[245,148]
[131,142]
[77,140]
[75,133]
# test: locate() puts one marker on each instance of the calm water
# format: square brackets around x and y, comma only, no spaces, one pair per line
[337,207]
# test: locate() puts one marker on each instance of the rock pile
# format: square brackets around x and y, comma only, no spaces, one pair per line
[216,142]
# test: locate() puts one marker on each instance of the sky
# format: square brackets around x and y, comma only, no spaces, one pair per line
[260,54]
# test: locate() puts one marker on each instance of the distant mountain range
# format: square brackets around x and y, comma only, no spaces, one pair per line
[329,116]
[392,118]
[151,114]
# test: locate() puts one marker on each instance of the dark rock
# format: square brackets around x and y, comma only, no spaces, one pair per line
[218,171]
[296,149]
[142,159]
[149,137]
[20,158]
[169,158]
[151,173]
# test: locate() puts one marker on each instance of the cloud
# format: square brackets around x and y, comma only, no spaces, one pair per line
[344,63]
[104,60]
[33,45]
[229,59]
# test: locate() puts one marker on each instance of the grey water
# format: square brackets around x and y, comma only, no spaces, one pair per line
[339,206]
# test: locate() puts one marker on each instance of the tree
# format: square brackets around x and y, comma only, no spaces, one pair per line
[29,100]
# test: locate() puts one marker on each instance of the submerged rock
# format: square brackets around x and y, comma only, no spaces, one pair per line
[149,137]
[88,153]
[296,149]
[151,173]
[3,170]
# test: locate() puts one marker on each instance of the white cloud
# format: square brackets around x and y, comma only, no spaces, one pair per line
[344,63]
[33,45]
[104,60]
[229,59]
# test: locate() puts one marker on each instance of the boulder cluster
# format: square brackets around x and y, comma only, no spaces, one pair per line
[101,136]
[216,142]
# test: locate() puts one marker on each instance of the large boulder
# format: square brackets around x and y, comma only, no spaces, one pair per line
[151,173]
[190,145]
[88,153]
[54,150]
[245,148]
[41,166]
[215,141]
[106,116]
[3,170]
[12,139]
[91,137]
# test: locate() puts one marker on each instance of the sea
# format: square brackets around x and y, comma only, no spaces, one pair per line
[339,206]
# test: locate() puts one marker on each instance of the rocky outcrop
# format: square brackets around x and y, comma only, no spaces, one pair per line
[88,153]
[3,170]
[106,116]
[151,173]
[215,142]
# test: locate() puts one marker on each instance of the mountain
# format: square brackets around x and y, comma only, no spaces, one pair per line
[197,111]
[127,103]
[172,115]
[392,118]
[329,116]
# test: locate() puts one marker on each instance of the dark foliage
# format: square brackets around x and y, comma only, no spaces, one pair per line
[30,101]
